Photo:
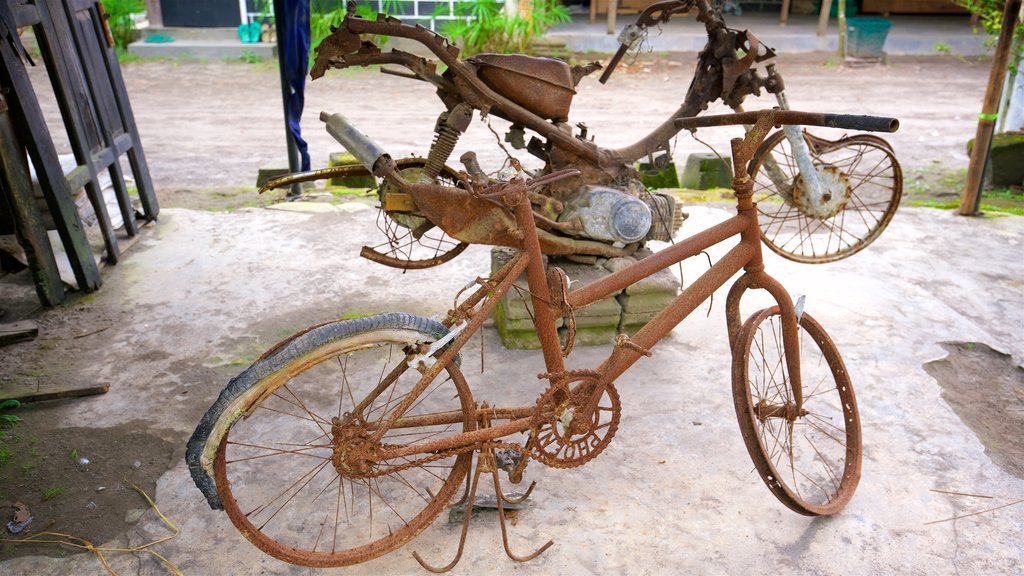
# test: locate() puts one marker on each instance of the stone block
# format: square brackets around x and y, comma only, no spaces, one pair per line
[705,170]
[595,324]
[595,336]
[657,179]
[345,159]
[1007,159]
[270,172]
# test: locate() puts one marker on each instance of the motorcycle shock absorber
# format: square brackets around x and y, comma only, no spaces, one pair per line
[450,126]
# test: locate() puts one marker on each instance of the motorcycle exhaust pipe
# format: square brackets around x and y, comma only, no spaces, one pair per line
[366,151]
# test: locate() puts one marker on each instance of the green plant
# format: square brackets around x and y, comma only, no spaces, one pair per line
[5,455]
[250,57]
[990,14]
[119,18]
[941,48]
[8,420]
[487,27]
[53,492]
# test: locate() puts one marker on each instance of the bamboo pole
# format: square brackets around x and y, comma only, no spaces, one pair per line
[971,198]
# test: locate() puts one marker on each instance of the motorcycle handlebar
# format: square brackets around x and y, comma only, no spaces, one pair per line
[654,14]
[781,117]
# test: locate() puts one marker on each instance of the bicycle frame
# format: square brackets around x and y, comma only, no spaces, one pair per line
[746,255]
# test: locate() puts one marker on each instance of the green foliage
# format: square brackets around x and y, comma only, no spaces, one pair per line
[7,420]
[941,48]
[486,26]
[53,492]
[990,13]
[5,455]
[119,14]
[250,57]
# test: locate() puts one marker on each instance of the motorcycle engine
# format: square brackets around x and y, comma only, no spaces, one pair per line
[611,215]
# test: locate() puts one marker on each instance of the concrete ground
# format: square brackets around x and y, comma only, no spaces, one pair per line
[204,293]
[675,492]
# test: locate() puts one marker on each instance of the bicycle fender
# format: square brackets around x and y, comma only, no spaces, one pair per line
[265,375]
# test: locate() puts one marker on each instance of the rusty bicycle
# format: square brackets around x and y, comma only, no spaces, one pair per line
[346,440]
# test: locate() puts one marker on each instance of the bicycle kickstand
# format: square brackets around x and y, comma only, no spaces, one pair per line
[486,462]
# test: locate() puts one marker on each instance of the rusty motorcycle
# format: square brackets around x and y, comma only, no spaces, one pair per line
[347,439]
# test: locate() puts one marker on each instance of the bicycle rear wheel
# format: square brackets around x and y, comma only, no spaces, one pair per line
[299,476]
[411,242]
[863,185]
[809,455]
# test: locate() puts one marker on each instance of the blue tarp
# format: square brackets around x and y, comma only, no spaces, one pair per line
[294,47]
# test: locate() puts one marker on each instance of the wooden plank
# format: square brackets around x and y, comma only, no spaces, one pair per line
[28,119]
[38,392]
[18,332]
[78,177]
[25,15]
[75,105]
[17,195]
[90,48]
[136,156]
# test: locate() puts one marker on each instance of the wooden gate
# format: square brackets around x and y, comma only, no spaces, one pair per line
[78,51]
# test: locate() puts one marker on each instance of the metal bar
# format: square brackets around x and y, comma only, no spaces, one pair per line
[540,294]
[453,349]
[780,117]
[458,440]
[647,337]
[691,246]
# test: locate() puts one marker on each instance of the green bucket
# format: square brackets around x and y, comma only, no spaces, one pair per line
[865,36]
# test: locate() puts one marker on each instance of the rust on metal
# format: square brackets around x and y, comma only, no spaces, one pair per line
[578,413]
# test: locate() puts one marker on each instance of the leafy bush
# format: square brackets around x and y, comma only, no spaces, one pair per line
[990,13]
[119,18]
[488,28]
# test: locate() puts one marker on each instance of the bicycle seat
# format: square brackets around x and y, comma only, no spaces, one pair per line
[543,86]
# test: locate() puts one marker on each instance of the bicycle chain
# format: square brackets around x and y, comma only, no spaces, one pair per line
[446,454]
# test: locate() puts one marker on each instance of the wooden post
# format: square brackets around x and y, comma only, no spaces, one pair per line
[971,198]
[841,22]
[784,14]
[826,8]
[613,8]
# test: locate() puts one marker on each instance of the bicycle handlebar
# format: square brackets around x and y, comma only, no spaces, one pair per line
[780,117]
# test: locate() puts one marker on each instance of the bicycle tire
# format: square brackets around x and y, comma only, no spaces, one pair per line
[269,466]
[815,472]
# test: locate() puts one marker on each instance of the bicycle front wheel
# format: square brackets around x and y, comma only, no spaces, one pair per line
[300,475]
[862,185]
[807,453]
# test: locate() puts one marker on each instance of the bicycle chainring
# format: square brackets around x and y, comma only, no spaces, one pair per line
[555,439]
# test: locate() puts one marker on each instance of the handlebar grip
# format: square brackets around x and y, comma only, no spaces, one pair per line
[611,65]
[860,122]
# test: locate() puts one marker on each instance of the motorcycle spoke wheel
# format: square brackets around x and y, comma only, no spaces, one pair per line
[807,450]
[871,180]
[411,242]
[297,474]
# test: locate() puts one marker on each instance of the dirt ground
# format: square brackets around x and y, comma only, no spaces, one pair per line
[208,127]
